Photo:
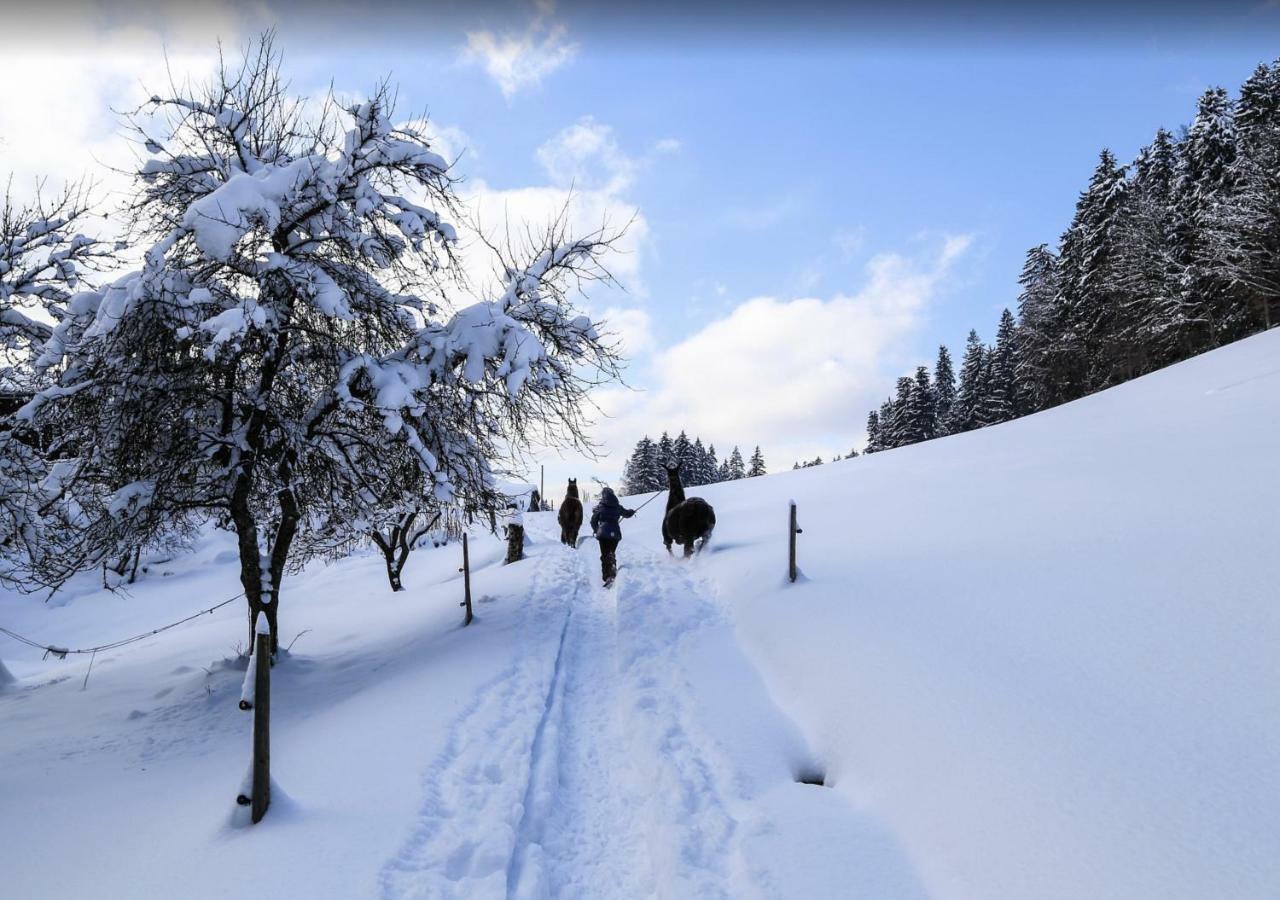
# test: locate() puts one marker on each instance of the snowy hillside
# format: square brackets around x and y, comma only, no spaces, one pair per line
[1036,660]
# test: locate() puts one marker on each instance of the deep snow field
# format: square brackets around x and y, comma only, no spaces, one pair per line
[1041,660]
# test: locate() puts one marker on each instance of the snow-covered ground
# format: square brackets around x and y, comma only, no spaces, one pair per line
[1039,660]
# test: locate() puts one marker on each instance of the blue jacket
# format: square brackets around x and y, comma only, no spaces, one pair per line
[605,517]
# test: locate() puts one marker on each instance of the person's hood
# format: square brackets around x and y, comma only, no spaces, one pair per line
[608,496]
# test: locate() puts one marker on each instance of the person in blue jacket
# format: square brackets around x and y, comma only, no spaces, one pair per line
[605,526]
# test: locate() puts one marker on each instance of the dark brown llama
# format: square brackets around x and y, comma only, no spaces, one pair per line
[687,520]
[570,515]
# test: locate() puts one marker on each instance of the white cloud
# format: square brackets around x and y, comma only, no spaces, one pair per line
[517,61]
[586,155]
[796,376]
[68,72]
[500,212]
[589,175]
[667,145]
[632,328]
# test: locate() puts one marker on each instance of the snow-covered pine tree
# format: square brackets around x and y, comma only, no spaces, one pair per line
[1244,231]
[902,428]
[999,401]
[698,455]
[873,432]
[888,425]
[713,465]
[922,413]
[756,466]
[654,471]
[292,334]
[1154,325]
[1093,306]
[633,471]
[966,414]
[666,454]
[944,390]
[682,453]
[736,467]
[1039,328]
[1204,182]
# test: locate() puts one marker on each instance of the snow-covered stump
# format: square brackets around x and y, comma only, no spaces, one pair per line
[256,695]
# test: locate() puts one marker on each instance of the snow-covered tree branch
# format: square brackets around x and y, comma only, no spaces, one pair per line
[299,333]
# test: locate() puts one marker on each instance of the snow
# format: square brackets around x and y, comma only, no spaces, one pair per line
[1036,660]
[131,498]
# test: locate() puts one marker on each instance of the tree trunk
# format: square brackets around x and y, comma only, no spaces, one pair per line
[394,566]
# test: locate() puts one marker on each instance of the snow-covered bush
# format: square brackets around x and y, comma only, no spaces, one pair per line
[299,333]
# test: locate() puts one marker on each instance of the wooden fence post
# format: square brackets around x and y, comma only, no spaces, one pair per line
[466,580]
[258,698]
[793,530]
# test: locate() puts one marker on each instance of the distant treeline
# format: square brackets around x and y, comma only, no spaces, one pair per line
[645,471]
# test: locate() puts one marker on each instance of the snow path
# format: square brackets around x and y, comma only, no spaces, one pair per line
[580,771]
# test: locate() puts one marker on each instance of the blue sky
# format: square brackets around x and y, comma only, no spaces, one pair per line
[820,199]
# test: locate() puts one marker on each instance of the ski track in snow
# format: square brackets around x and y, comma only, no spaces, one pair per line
[580,770]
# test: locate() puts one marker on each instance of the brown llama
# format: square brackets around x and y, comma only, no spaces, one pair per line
[570,515]
[687,520]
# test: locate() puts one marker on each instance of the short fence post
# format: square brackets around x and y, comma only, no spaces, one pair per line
[793,529]
[260,702]
[466,580]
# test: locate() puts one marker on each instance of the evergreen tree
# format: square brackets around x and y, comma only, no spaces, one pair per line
[899,431]
[757,464]
[873,432]
[999,402]
[944,390]
[666,452]
[1204,181]
[1091,305]
[736,467]
[966,414]
[1153,323]
[1039,328]
[1244,233]
[713,465]
[888,426]
[643,472]
[698,456]
[682,453]
[921,415]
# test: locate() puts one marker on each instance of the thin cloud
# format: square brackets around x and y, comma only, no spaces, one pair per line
[519,61]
